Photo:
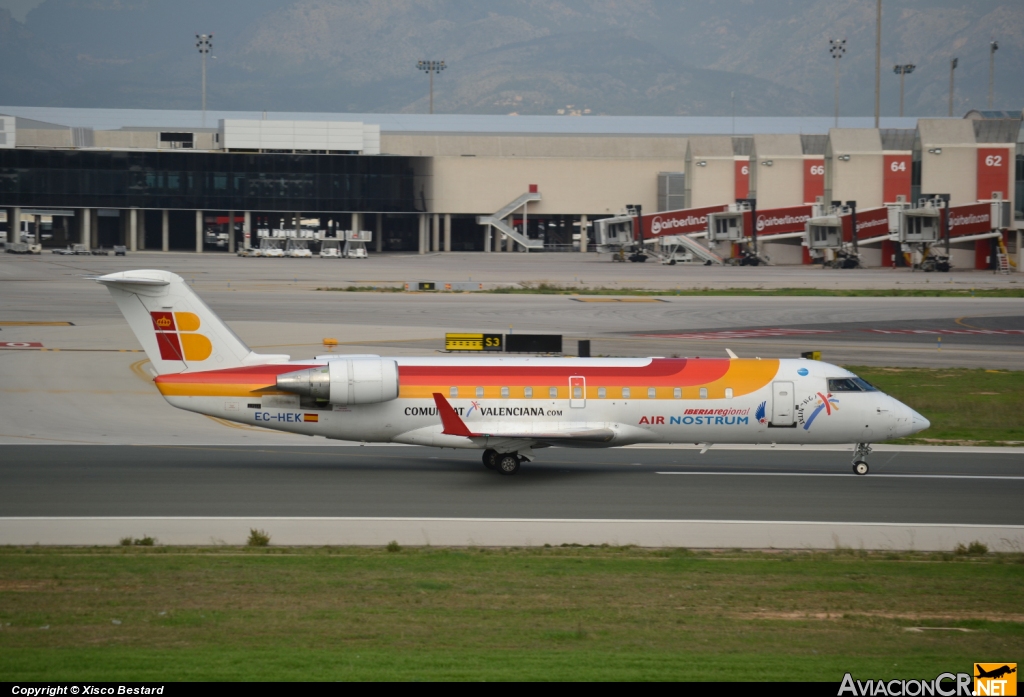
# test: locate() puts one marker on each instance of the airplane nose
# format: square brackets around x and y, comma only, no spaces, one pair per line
[917,422]
[908,421]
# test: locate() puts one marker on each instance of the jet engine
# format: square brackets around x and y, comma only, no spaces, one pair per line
[345,381]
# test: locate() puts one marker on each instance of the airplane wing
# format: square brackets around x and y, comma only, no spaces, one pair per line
[455,426]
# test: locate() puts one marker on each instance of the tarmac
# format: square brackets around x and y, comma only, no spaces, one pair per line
[83,381]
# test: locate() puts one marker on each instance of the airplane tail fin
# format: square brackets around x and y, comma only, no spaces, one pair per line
[178,331]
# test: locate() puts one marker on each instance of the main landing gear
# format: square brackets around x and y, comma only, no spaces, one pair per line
[504,463]
[860,465]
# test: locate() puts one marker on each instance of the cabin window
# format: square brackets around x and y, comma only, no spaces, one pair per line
[703,393]
[504,393]
[677,392]
[728,393]
[553,392]
[479,392]
[651,393]
[577,392]
[601,393]
[528,392]
[625,393]
[453,391]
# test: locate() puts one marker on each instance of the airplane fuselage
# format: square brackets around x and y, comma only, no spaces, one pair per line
[658,400]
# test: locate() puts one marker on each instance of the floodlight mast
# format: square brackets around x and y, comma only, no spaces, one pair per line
[204,42]
[902,71]
[952,66]
[431,67]
[837,47]
[992,48]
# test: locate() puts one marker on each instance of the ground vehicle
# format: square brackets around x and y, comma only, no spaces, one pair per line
[298,249]
[120,250]
[80,249]
[271,247]
[18,248]
[330,249]
[505,406]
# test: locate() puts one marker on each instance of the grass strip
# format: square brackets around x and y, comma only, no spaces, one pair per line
[553,289]
[564,613]
[965,406]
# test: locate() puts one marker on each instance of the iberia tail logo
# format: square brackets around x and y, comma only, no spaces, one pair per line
[178,338]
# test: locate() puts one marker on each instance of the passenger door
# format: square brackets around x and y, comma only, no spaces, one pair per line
[577,392]
[782,404]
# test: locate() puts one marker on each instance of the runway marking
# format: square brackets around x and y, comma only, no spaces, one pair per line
[843,474]
[53,440]
[37,324]
[742,333]
[141,372]
[618,300]
[243,427]
[471,519]
[954,332]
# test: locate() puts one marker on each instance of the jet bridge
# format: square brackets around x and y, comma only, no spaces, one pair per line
[669,236]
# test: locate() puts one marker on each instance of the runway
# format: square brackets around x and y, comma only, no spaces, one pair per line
[370,495]
[656,484]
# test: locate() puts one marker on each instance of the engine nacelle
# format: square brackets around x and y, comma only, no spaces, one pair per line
[346,381]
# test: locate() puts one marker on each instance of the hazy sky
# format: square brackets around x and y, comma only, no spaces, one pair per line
[19,8]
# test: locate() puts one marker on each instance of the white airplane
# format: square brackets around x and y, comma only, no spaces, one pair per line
[506,406]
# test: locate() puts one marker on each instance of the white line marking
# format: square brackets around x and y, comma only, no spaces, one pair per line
[517,521]
[843,474]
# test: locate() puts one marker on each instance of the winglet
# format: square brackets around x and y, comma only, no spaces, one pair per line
[453,425]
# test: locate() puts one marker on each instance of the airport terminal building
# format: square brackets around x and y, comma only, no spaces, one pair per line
[155,180]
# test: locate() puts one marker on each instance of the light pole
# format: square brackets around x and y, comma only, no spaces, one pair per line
[952,67]
[878,63]
[204,42]
[837,47]
[902,70]
[431,67]
[992,48]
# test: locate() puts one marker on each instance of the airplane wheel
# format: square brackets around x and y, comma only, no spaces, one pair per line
[860,467]
[491,459]
[508,463]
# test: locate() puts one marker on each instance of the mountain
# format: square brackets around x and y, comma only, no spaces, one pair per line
[656,57]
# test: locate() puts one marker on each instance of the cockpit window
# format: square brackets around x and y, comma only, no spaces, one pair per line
[865,385]
[843,385]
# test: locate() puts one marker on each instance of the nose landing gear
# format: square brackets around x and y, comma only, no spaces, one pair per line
[860,465]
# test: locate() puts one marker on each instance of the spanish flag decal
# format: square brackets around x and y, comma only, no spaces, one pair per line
[311,418]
